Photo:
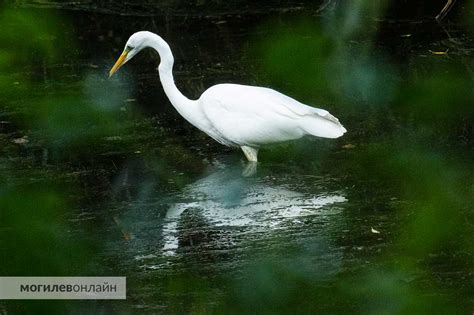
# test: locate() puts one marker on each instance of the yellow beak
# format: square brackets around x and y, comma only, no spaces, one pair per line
[118,63]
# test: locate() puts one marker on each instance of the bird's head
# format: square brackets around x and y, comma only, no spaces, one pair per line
[134,45]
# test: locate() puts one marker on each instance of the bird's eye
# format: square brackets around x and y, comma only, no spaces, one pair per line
[128,48]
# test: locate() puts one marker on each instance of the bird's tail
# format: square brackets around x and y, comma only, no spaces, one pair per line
[325,126]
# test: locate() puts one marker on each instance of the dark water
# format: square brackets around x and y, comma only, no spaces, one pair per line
[323,225]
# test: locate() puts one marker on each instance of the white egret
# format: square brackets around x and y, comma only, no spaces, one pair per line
[236,115]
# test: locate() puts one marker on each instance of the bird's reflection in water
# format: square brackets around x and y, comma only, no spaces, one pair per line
[229,198]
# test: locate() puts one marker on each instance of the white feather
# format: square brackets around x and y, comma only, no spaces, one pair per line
[254,116]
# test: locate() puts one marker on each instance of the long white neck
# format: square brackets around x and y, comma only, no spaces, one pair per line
[185,107]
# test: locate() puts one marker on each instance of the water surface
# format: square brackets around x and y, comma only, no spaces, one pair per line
[321,224]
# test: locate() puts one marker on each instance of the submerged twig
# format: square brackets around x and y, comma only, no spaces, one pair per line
[447,7]
[323,6]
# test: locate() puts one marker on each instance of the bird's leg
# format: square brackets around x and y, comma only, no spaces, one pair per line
[250,153]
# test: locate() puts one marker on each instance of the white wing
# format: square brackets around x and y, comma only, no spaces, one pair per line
[252,116]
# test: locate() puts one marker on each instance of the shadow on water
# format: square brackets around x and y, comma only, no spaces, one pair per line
[247,205]
[220,224]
